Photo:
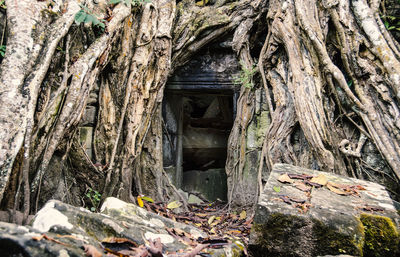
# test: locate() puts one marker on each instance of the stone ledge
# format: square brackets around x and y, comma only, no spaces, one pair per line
[361,224]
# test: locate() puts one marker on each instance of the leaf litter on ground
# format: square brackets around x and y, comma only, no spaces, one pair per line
[222,228]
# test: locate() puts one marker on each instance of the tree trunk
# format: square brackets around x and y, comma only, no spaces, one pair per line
[327,85]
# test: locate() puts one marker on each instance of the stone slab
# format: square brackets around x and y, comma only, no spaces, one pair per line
[366,224]
[209,183]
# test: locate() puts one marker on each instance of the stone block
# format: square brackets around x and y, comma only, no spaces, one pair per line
[89,117]
[210,183]
[357,218]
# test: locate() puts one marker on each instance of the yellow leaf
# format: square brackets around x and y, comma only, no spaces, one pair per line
[211,219]
[147,199]
[214,223]
[284,178]
[212,231]
[201,214]
[202,3]
[140,201]
[174,205]
[320,179]
[197,224]
[234,232]
[243,215]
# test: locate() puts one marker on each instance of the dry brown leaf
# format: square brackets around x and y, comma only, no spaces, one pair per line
[118,240]
[320,179]
[91,251]
[284,178]
[335,189]
[301,186]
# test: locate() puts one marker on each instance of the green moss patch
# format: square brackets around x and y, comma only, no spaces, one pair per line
[381,236]
[281,235]
[330,241]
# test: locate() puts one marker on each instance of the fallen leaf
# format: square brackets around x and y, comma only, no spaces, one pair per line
[359,187]
[242,215]
[140,201]
[174,205]
[214,223]
[147,199]
[320,179]
[301,186]
[284,178]
[201,214]
[234,232]
[335,190]
[302,176]
[119,240]
[211,219]
[277,189]
[91,251]
[316,185]
[38,238]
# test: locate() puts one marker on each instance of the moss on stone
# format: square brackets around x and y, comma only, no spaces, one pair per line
[296,235]
[277,237]
[95,228]
[381,236]
[331,241]
[263,122]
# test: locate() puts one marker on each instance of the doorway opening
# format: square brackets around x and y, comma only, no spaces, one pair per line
[196,131]
[199,108]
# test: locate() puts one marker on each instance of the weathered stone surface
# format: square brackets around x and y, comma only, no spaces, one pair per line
[210,183]
[333,224]
[74,227]
[89,117]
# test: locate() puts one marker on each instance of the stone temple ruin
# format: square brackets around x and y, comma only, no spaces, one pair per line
[199,107]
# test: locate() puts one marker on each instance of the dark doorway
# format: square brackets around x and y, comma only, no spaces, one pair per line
[198,111]
[207,121]
[197,127]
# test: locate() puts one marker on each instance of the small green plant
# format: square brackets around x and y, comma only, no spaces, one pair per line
[2,50]
[245,76]
[86,16]
[391,22]
[94,198]
[130,2]
[3,4]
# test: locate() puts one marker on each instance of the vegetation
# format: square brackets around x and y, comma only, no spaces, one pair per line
[245,77]
[86,16]
[94,197]
[2,50]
